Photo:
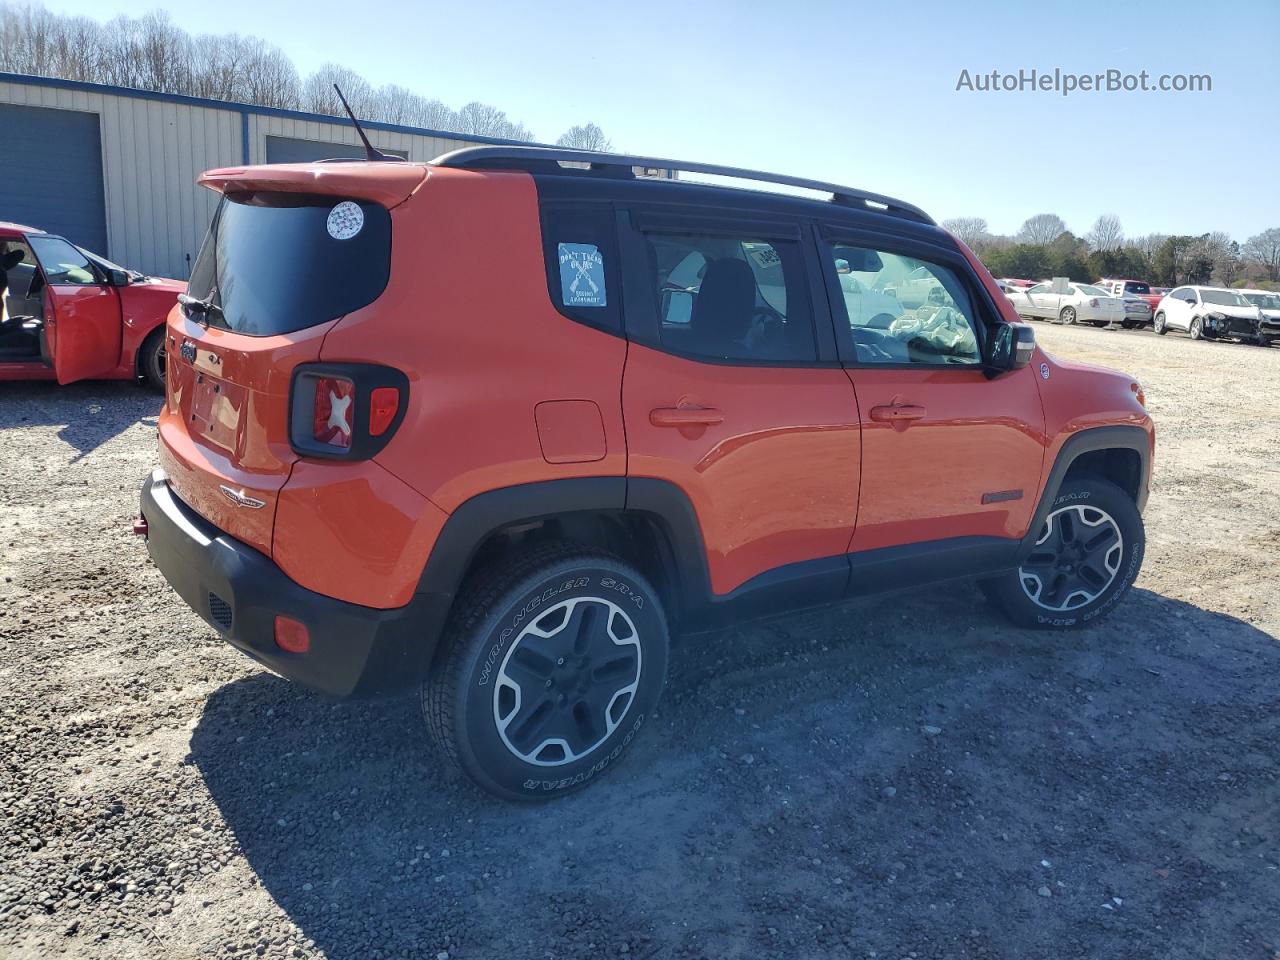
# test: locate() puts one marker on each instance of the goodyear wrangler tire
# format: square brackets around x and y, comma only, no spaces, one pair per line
[548,670]
[1086,557]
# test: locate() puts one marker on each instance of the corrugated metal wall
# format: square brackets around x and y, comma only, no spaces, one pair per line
[153,150]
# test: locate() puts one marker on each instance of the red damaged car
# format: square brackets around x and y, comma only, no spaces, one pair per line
[69,314]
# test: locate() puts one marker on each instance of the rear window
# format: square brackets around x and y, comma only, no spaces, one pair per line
[276,262]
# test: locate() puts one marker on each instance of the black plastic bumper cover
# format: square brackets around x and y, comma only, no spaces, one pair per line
[354,651]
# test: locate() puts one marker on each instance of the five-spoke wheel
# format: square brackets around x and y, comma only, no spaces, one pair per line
[1075,559]
[567,681]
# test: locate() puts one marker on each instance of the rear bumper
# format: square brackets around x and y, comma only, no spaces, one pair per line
[355,650]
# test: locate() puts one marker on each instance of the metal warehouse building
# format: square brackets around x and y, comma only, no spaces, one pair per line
[114,169]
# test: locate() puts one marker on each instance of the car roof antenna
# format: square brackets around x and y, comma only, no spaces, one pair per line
[371,152]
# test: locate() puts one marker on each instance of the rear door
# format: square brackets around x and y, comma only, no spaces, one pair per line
[946,452]
[82,313]
[734,395]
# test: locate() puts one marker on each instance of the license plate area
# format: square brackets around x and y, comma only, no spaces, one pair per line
[216,407]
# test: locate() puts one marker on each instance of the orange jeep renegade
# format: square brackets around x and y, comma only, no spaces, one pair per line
[503,423]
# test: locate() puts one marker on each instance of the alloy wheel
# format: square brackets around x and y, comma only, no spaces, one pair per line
[567,681]
[1068,316]
[1075,560]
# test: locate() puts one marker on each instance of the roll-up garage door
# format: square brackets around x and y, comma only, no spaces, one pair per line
[51,173]
[289,150]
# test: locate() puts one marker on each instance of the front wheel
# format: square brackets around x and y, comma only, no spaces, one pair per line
[1158,324]
[151,360]
[548,669]
[1085,559]
[1068,315]
[1197,332]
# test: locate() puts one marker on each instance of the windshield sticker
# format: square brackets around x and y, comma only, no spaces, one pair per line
[345,220]
[581,275]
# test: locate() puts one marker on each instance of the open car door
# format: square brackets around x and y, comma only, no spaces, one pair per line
[82,312]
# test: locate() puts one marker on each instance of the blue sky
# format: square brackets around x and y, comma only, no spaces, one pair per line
[863,94]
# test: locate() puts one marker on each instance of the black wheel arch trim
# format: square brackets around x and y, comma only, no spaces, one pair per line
[1090,440]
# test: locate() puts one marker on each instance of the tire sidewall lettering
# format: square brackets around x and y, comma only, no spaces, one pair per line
[582,776]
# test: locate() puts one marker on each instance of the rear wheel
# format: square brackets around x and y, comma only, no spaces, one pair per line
[1068,315]
[151,360]
[1158,324]
[1085,559]
[548,669]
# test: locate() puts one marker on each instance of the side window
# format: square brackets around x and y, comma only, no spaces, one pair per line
[20,287]
[902,309]
[63,264]
[730,296]
[1041,288]
[582,265]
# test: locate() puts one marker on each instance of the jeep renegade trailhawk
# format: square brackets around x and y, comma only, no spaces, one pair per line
[502,423]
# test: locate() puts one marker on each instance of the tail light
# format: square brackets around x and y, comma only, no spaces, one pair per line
[345,411]
[333,420]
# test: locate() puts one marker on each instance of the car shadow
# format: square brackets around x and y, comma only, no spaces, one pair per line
[758,796]
[86,414]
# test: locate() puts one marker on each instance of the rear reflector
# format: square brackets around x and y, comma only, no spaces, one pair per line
[383,404]
[333,420]
[292,636]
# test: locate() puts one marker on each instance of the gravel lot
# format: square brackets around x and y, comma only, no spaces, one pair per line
[904,777]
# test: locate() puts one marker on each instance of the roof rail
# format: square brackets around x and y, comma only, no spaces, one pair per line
[849,196]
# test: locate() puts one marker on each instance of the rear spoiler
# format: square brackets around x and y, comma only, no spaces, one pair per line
[384,183]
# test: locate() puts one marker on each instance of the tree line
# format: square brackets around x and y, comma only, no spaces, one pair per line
[151,53]
[1044,247]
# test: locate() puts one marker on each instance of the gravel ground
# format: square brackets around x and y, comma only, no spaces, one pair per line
[903,777]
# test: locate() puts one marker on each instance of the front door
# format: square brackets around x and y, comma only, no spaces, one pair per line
[1044,301]
[946,452]
[82,312]
[729,396]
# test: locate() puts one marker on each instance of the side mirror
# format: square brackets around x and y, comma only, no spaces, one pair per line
[1010,347]
[117,278]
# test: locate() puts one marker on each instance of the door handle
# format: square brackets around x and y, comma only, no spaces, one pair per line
[685,416]
[897,413]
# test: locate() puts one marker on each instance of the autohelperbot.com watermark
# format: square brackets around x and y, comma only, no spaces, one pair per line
[1065,82]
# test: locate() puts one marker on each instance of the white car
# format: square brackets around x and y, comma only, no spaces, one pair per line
[867,307]
[1269,303]
[915,288]
[1080,303]
[1208,313]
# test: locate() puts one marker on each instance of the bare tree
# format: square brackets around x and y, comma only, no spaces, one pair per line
[1148,244]
[971,230]
[150,53]
[1042,229]
[1106,233]
[270,78]
[1264,248]
[585,137]
[318,95]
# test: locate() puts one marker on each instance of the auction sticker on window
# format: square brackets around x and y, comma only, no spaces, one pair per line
[345,220]
[581,275]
